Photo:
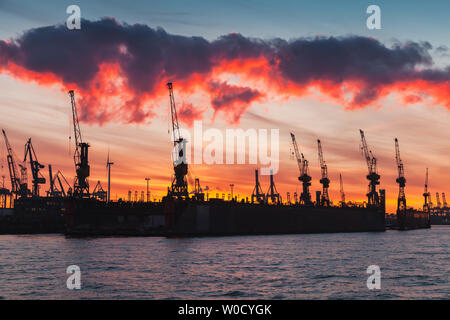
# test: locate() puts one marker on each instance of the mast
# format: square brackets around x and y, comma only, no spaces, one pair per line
[305,178]
[82,168]
[179,186]
[372,176]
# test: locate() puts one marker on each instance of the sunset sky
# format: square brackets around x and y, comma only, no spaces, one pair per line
[312,68]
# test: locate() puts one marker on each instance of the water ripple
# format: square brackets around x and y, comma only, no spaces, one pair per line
[414,265]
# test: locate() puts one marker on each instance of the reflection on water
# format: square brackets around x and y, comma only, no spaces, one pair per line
[414,264]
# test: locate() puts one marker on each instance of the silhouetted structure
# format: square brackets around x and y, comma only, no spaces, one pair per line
[179,186]
[324,199]
[257,194]
[82,168]
[305,178]
[272,193]
[372,176]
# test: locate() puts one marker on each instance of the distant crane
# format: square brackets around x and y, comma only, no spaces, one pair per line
[51,192]
[438,201]
[372,176]
[257,193]
[401,180]
[324,198]
[198,191]
[179,186]
[35,166]
[148,190]
[444,201]
[99,193]
[19,185]
[342,190]
[82,168]
[426,195]
[69,190]
[305,178]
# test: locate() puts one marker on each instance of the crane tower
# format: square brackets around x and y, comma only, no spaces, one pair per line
[35,166]
[179,186]
[341,189]
[82,168]
[19,185]
[372,176]
[401,180]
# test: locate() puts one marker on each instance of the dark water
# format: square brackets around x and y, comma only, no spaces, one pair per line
[414,264]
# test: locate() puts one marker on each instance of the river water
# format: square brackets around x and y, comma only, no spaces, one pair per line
[414,265]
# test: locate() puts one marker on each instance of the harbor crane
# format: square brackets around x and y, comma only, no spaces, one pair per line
[19,185]
[444,201]
[35,166]
[438,201]
[305,178]
[109,163]
[52,191]
[401,180]
[426,195]
[372,176]
[325,181]
[341,189]
[179,186]
[257,194]
[82,168]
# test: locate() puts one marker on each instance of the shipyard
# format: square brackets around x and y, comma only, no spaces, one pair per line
[79,210]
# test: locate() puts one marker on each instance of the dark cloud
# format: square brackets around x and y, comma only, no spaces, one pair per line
[350,58]
[232,100]
[236,46]
[146,57]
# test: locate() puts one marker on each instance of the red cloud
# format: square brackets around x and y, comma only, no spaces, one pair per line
[119,71]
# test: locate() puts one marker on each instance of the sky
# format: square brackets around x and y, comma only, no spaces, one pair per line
[324,77]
